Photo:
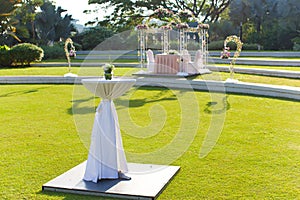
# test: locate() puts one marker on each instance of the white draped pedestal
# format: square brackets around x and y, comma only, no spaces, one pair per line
[106,158]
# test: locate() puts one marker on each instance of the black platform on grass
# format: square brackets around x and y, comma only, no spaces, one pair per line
[147,182]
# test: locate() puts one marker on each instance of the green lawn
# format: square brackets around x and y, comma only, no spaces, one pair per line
[257,155]
[60,71]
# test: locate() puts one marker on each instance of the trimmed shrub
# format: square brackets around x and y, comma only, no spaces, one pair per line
[296,45]
[53,52]
[26,53]
[216,45]
[250,46]
[5,58]
[219,45]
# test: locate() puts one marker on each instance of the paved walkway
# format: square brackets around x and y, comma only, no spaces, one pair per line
[259,71]
[211,60]
[177,82]
[238,87]
[256,71]
[249,61]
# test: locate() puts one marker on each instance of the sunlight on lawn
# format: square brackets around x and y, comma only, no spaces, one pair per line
[256,156]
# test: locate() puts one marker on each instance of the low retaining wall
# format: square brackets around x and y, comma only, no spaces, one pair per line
[267,90]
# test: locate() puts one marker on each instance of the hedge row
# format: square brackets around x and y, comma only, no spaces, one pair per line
[21,54]
[219,45]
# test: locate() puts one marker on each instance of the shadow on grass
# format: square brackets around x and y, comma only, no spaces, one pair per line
[163,95]
[266,97]
[23,92]
[15,67]
[253,95]
[81,110]
[211,106]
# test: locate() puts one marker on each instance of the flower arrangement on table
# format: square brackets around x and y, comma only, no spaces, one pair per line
[173,52]
[108,71]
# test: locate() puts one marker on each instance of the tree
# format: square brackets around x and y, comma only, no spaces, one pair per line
[208,10]
[7,21]
[27,13]
[128,13]
[270,23]
[92,37]
[289,24]
[50,24]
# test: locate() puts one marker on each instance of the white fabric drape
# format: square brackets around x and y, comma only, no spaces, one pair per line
[106,155]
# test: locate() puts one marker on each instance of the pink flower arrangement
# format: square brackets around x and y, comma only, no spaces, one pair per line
[142,26]
[184,15]
[72,53]
[182,26]
[203,26]
[225,53]
[166,27]
[163,13]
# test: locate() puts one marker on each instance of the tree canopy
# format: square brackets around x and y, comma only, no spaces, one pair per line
[7,22]
[51,25]
[128,13]
[37,21]
[271,23]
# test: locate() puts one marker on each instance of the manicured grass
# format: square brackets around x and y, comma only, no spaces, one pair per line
[36,71]
[60,71]
[257,155]
[90,61]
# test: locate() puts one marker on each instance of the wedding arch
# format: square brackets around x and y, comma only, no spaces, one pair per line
[169,33]
[239,46]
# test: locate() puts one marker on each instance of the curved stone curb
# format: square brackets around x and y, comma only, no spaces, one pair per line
[244,61]
[264,72]
[267,90]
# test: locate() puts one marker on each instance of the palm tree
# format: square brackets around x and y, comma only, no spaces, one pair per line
[7,20]
[50,24]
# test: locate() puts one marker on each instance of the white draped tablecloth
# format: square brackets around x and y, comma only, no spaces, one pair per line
[106,156]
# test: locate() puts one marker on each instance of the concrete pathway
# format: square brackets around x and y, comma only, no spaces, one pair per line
[256,71]
[238,87]
[249,61]
[259,71]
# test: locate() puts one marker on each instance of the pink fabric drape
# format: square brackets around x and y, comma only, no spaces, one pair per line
[167,64]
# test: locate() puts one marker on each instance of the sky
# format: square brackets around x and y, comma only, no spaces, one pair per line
[76,8]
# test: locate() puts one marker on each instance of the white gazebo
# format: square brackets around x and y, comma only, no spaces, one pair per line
[173,44]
